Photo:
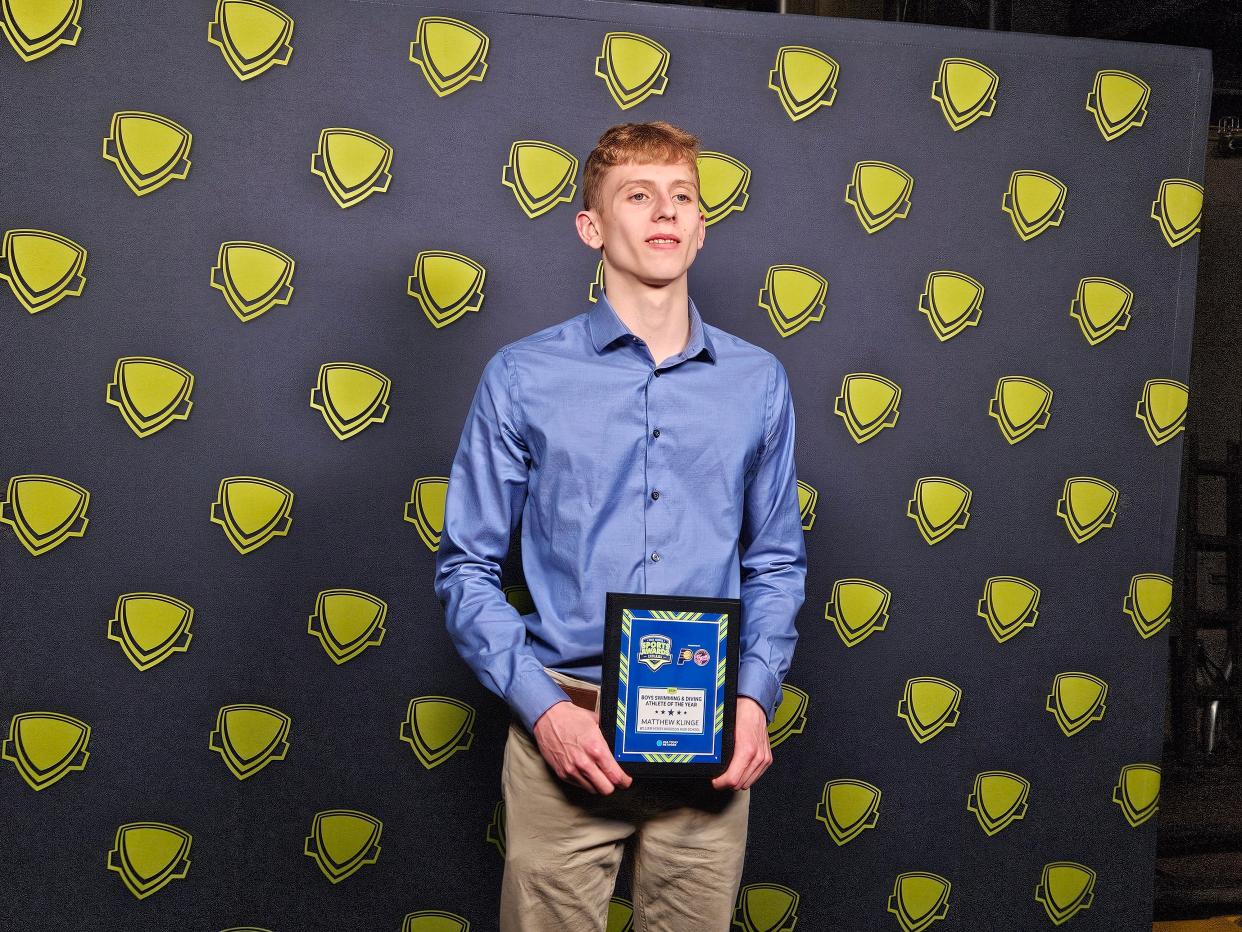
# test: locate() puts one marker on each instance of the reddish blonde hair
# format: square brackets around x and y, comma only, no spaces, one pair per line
[641,143]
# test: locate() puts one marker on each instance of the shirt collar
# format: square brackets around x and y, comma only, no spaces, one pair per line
[606,328]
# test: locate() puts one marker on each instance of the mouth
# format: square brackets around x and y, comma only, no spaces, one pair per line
[663,242]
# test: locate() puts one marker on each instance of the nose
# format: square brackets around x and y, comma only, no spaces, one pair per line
[665,207]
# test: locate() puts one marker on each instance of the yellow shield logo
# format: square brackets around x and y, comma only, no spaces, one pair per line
[596,288]
[36,27]
[252,511]
[1035,202]
[868,404]
[437,727]
[253,277]
[793,296]
[520,598]
[1162,409]
[847,808]
[1076,700]
[446,285]
[620,915]
[857,609]
[450,52]
[808,495]
[1021,406]
[425,509]
[46,746]
[1088,505]
[965,90]
[633,67]
[150,627]
[790,715]
[951,301]
[1101,307]
[249,737]
[150,393]
[766,907]
[722,185]
[353,164]
[880,193]
[1149,602]
[804,79]
[434,920]
[540,174]
[939,507]
[929,706]
[41,267]
[1065,888]
[44,511]
[919,899]
[347,622]
[148,150]
[149,856]
[1138,792]
[998,798]
[342,841]
[351,397]
[1009,604]
[1178,208]
[496,830]
[252,35]
[1118,101]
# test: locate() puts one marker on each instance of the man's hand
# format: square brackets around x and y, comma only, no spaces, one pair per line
[752,752]
[570,741]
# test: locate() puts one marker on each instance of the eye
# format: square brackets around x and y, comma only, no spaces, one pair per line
[686,196]
[638,194]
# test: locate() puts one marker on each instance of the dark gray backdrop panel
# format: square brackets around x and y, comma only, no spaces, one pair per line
[148,293]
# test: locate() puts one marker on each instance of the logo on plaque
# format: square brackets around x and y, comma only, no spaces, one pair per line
[655,650]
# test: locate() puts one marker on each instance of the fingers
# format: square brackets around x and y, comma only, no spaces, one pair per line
[613,770]
[593,769]
[745,768]
[729,779]
[586,761]
[759,763]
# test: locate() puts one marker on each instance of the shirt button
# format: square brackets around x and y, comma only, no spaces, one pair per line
[655,493]
[656,432]
[657,372]
[655,556]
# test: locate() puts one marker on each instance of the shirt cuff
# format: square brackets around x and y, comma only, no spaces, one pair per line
[532,694]
[754,679]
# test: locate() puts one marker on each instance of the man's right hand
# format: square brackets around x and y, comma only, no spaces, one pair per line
[570,741]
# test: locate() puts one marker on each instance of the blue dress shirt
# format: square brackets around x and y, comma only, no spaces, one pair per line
[626,476]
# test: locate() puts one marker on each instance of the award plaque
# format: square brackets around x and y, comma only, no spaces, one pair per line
[668,688]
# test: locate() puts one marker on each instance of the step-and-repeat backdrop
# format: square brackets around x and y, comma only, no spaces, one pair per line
[254,258]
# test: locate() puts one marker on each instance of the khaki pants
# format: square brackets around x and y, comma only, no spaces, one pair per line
[563,849]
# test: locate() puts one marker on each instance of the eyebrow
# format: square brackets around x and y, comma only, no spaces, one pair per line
[634,181]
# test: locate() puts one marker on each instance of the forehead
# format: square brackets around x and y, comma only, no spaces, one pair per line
[659,172]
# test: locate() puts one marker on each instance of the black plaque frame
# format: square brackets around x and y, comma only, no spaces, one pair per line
[616,603]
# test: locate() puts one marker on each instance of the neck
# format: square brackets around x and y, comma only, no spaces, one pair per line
[659,315]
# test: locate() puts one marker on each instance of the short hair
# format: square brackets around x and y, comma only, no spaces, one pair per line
[641,143]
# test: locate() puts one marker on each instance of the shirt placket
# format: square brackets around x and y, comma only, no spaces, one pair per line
[655,533]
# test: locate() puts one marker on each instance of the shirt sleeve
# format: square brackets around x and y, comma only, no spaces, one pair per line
[773,555]
[486,494]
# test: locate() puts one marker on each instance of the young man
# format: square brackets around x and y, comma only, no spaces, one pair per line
[639,446]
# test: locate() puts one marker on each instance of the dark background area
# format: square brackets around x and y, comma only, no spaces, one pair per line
[1199,870]
[1211,24]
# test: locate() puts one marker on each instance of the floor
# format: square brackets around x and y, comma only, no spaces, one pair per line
[1199,860]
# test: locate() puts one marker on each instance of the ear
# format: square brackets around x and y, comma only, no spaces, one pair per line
[587,222]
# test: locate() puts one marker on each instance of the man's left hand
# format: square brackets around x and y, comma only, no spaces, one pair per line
[752,752]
